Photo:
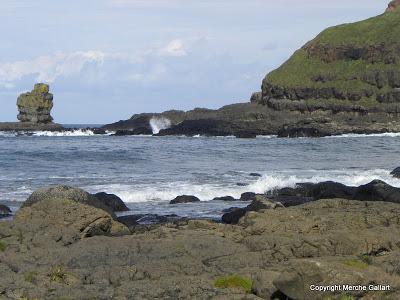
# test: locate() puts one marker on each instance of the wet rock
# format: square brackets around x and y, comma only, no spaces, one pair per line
[5,211]
[136,131]
[35,106]
[242,184]
[248,196]
[146,219]
[184,199]
[99,131]
[62,192]
[255,175]
[260,202]
[112,201]
[377,190]
[233,215]
[225,198]
[396,173]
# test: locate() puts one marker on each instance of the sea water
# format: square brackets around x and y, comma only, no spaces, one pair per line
[147,172]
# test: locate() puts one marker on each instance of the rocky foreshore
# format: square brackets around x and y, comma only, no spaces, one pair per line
[65,243]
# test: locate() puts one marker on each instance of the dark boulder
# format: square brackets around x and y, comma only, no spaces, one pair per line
[377,190]
[112,201]
[255,175]
[306,192]
[98,131]
[4,211]
[248,196]
[146,219]
[260,202]
[225,198]
[184,199]
[233,216]
[396,173]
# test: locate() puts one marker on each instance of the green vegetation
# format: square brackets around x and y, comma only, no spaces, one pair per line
[365,258]
[57,274]
[347,297]
[358,61]
[233,281]
[356,263]
[30,276]
[3,246]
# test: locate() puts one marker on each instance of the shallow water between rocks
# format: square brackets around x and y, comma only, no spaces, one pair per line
[147,172]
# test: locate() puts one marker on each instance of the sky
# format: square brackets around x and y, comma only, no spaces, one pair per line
[106,60]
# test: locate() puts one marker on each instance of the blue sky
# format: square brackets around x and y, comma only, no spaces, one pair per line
[108,59]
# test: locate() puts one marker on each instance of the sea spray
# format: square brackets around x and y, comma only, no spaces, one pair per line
[159,123]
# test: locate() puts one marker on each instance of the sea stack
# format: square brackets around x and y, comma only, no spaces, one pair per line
[35,106]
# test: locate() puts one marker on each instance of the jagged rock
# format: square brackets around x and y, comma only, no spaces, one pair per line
[35,106]
[62,192]
[112,201]
[184,199]
[5,211]
[393,5]
[256,97]
[396,173]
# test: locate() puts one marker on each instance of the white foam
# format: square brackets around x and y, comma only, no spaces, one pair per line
[159,123]
[354,135]
[77,132]
[206,192]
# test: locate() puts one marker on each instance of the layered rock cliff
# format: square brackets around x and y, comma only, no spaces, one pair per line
[350,67]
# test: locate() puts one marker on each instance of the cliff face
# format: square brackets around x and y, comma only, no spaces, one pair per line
[347,67]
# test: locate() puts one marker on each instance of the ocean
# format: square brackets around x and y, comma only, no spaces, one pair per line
[147,172]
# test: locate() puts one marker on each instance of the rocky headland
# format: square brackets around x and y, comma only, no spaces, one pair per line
[65,243]
[346,80]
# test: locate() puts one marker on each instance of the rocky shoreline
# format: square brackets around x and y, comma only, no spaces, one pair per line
[65,241]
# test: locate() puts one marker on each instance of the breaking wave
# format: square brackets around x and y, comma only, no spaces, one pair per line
[159,123]
[268,182]
[66,133]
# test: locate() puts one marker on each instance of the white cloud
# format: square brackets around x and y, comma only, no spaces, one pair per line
[174,48]
[48,68]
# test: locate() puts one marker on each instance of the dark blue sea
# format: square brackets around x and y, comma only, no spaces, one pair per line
[147,172]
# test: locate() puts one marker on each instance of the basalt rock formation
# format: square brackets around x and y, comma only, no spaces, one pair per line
[35,106]
[60,248]
[350,67]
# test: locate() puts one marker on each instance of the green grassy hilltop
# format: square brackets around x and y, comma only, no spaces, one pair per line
[356,63]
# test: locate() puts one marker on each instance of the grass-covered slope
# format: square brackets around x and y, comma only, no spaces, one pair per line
[354,63]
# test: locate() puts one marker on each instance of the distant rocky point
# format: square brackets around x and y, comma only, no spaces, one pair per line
[346,80]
